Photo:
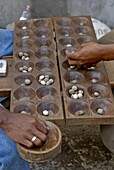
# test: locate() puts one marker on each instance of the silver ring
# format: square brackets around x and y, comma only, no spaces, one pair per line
[34,138]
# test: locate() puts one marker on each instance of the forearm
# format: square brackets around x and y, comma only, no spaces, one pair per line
[107,52]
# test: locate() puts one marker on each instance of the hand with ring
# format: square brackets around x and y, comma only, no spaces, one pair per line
[24,129]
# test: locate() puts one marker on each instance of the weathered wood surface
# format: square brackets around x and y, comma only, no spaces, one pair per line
[5,82]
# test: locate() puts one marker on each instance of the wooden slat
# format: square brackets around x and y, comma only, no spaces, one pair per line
[110,70]
[5,82]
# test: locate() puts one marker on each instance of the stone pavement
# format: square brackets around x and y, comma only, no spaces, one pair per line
[82,149]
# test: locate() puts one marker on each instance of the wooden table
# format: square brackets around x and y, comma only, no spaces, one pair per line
[5,82]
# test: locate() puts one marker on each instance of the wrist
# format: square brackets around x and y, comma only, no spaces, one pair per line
[107,52]
[102,51]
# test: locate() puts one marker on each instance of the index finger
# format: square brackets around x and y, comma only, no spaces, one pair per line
[41,126]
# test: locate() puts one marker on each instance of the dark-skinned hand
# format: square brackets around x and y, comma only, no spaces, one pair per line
[88,54]
[21,129]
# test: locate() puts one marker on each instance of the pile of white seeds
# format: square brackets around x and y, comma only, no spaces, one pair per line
[23,55]
[45,80]
[76,93]
[25,69]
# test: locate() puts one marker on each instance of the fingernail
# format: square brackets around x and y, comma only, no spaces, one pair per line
[48,128]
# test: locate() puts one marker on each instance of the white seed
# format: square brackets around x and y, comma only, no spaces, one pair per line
[81,91]
[41,77]
[94,80]
[46,79]
[100,111]
[91,68]
[27,81]
[54,33]
[20,54]
[71,91]
[80,95]
[74,96]
[80,112]
[96,94]
[47,83]
[81,33]
[43,82]
[45,112]
[66,35]
[51,80]
[23,112]
[43,36]
[27,58]
[74,81]
[23,58]
[25,37]
[82,23]
[72,67]
[30,69]
[21,69]
[24,27]
[39,81]
[25,54]
[68,45]
[24,71]
[47,76]
[74,88]
[25,67]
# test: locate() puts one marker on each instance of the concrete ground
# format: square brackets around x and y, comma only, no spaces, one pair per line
[82,149]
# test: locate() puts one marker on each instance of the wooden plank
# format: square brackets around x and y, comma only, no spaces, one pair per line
[5,82]
[110,70]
